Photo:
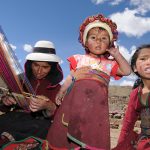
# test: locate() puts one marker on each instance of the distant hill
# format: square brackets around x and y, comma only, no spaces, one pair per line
[120,91]
[118,98]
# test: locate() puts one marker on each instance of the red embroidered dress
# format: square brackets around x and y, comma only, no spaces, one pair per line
[82,120]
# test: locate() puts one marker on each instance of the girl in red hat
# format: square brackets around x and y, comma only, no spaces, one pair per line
[83,117]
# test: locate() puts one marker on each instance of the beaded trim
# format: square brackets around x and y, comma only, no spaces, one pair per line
[100,18]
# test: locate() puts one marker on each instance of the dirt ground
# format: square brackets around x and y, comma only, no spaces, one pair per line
[115,132]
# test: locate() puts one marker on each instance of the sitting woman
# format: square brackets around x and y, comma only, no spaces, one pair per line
[44,73]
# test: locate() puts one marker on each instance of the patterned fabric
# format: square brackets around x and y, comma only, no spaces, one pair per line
[30,143]
[101,64]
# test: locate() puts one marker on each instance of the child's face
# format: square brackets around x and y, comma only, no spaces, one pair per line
[97,41]
[143,63]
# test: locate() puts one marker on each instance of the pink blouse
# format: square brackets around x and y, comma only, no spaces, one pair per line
[108,66]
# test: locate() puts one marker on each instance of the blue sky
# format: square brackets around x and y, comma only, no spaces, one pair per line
[27,21]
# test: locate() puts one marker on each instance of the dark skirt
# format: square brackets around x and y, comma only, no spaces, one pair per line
[22,125]
[83,118]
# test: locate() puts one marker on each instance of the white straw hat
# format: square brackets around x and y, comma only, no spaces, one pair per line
[44,51]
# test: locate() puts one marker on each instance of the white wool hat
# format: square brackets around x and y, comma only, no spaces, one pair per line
[43,51]
[97,23]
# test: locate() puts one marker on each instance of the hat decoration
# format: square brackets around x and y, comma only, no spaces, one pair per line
[98,21]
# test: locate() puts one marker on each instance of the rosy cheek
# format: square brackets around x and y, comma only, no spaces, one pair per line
[90,43]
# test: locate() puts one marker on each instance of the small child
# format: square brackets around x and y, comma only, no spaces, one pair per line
[139,104]
[83,117]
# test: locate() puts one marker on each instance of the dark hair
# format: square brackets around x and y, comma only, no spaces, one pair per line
[137,83]
[54,76]
[133,63]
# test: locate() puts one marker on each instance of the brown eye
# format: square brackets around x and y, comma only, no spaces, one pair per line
[104,38]
[142,58]
[92,37]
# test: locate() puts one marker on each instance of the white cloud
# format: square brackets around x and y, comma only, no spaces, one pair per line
[126,83]
[127,54]
[13,46]
[130,24]
[132,77]
[132,51]
[20,60]
[124,52]
[143,6]
[98,1]
[126,80]
[27,48]
[61,62]
[122,82]
[116,2]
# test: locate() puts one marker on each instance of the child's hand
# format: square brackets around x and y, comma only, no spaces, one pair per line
[114,52]
[59,98]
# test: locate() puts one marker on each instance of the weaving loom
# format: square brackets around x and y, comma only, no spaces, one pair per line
[12,74]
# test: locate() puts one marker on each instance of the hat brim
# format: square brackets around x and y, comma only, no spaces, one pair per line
[43,57]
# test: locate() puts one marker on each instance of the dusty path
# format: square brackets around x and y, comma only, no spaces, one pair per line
[114,133]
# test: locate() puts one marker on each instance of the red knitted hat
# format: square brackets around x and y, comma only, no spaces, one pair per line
[98,21]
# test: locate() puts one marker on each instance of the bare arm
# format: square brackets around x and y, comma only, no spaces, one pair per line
[66,84]
[63,89]
[78,74]
[124,67]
